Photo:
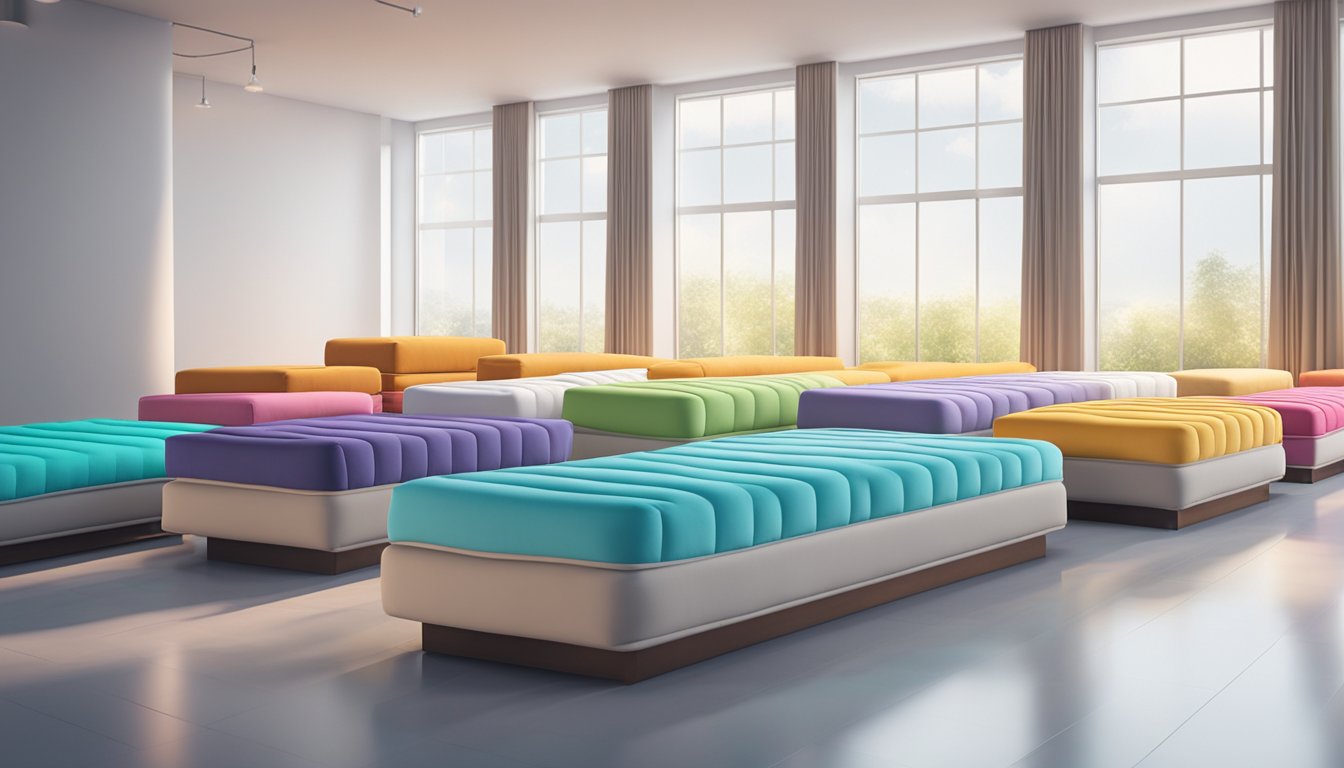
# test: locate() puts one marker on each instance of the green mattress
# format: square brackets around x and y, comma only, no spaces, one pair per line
[692,408]
[67,455]
[713,496]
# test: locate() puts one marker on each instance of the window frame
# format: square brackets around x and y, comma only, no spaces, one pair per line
[975,193]
[1264,170]
[771,206]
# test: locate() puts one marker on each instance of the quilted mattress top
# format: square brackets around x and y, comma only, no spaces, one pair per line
[1152,430]
[712,496]
[341,453]
[1306,411]
[942,406]
[68,455]
[692,408]
[538,398]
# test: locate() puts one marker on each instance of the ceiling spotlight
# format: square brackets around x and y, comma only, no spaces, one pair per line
[204,102]
[47,2]
[253,85]
[13,14]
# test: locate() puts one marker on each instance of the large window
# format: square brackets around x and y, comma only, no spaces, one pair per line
[571,231]
[735,224]
[1184,157]
[453,227]
[940,214]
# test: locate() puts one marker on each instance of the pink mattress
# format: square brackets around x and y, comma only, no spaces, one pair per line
[236,409]
[1309,413]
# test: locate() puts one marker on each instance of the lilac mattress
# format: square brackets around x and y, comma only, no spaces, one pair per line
[341,453]
[940,406]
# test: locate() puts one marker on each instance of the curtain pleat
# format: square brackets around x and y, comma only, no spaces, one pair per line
[512,195]
[629,291]
[815,168]
[1052,205]
[1305,329]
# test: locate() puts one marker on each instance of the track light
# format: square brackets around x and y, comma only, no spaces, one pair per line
[253,85]
[414,10]
[204,103]
[13,14]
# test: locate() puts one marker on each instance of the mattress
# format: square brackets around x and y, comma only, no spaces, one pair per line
[1124,384]
[37,459]
[348,452]
[537,398]
[237,409]
[1313,420]
[79,510]
[693,408]
[710,497]
[1196,382]
[1171,486]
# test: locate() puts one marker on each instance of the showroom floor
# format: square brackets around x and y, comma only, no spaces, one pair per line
[1219,645]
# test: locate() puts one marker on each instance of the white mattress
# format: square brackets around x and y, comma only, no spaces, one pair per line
[1171,486]
[1124,384]
[540,397]
[79,511]
[626,608]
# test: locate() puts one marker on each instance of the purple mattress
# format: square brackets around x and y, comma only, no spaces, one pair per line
[340,453]
[940,406]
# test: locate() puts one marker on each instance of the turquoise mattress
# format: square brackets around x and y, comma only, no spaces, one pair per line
[67,455]
[712,496]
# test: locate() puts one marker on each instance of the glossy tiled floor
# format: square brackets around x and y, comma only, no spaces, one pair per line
[1222,645]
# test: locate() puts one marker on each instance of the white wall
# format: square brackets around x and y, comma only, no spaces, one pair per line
[86,268]
[278,212]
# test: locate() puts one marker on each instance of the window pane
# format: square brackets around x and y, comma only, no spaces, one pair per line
[560,186]
[784,114]
[1267,134]
[947,160]
[484,151]
[699,123]
[445,198]
[594,285]
[699,323]
[1140,138]
[785,223]
[1269,58]
[1138,276]
[484,200]
[1222,272]
[1222,130]
[1140,71]
[947,97]
[887,104]
[746,174]
[559,135]
[699,180]
[784,179]
[595,184]
[558,276]
[1001,91]
[431,153]
[1222,62]
[886,282]
[1001,156]
[947,281]
[484,271]
[595,132]
[457,153]
[444,301]
[887,165]
[748,118]
[1000,278]
[747,265]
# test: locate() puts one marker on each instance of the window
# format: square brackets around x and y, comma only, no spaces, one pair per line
[571,231]
[735,224]
[1183,162]
[940,214]
[453,229]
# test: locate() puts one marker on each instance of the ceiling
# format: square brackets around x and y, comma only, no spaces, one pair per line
[462,56]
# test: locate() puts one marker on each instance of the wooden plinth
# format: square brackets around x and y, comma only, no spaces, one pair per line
[1312,475]
[1151,517]
[292,558]
[633,666]
[79,542]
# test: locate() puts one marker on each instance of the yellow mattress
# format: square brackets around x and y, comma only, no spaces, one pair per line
[1229,382]
[1157,430]
[280,378]
[918,371]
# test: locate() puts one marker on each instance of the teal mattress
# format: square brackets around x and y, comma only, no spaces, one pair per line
[712,496]
[62,456]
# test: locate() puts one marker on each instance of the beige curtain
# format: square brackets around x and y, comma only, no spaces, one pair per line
[629,308]
[512,190]
[1304,279]
[1052,205]
[814,306]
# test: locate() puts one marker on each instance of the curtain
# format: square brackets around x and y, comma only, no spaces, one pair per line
[512,195]
[1304,298]
[814,306]
[1052,205]
[629,310]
